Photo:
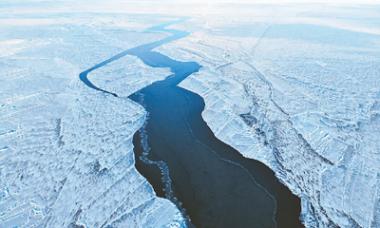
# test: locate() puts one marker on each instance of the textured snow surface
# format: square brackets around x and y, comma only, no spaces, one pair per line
[295,86]
[301,95]
[66,153]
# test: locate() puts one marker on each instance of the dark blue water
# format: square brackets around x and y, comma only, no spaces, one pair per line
[180,156]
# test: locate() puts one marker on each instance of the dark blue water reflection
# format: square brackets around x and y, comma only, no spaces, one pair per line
[183,160]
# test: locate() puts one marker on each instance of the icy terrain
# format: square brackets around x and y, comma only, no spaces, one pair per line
[66,153]
[294,86]
[299,92]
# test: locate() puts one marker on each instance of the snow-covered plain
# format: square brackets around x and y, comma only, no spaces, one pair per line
[295,86]
[298,88]
[66,153]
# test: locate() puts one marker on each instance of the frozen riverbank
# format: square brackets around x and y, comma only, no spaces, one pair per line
[300,96]
[66,150]
[211,182]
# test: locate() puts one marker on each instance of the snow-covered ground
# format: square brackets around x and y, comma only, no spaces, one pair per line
[66,153]
[295,86]
[298,88]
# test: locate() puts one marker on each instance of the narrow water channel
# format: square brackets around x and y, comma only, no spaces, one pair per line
[180,156]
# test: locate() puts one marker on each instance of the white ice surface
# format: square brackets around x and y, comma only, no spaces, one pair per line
[66,153]
[300,94]
[309,99]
